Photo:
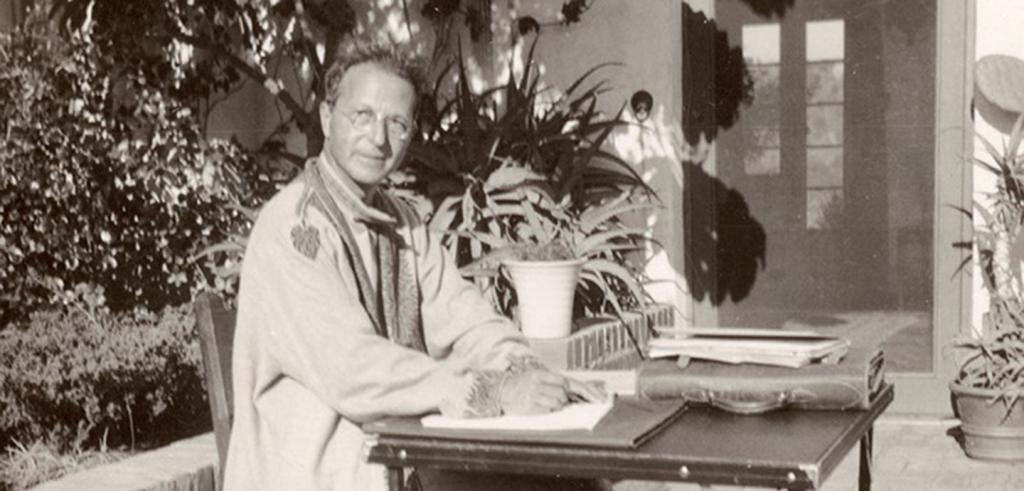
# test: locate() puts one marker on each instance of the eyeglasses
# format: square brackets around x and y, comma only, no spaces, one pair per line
[365,121]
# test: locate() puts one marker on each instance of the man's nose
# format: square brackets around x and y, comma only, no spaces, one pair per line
[379,132]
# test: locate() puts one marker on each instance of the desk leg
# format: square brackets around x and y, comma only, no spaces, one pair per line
[396,478]
[865,460]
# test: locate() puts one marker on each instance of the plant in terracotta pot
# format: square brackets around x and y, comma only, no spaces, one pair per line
[987,392]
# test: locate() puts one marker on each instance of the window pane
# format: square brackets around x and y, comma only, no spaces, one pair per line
[763,162]
[825,125]
[824,208]
[761,44]
[825,167]
[825,40]
[825,82]
[766,86]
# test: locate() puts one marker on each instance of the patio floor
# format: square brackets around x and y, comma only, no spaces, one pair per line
[911,453]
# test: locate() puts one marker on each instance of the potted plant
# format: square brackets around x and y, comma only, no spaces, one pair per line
[519,170]
[553,254]
[544,277]
[987,391]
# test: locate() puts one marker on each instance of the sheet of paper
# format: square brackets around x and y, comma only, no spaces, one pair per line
[577,416]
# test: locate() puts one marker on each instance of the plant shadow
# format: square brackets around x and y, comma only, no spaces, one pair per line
[716,81]
[727,244]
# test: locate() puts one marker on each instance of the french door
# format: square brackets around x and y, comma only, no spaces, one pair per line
[829,197]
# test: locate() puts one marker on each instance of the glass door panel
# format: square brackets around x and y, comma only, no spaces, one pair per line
[834,158]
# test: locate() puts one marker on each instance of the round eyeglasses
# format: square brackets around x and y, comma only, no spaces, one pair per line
[365,121]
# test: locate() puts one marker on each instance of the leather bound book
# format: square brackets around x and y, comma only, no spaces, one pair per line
[850,384]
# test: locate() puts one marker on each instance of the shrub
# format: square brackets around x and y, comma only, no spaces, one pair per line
[25,466]
[105,177]
[80,376]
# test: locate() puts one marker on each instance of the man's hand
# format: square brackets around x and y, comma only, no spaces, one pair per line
[586,391]
[538,391]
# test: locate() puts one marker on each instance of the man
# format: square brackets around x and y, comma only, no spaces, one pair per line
[349,310]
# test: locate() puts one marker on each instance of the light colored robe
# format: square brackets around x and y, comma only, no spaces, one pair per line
[308,367]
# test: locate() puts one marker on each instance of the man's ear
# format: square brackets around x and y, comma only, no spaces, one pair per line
[325,118]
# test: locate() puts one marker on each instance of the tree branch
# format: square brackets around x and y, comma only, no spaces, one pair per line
[304,118]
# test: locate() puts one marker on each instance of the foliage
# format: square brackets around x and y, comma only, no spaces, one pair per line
[545,231]
[476,16]
[205,49]
[25,466]
[283,46]
[995,359]
[517,164]
[280,45]
[1002,212]
[556,250]
[103,179]
[81,377]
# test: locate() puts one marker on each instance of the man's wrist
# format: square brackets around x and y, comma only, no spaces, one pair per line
[499,392]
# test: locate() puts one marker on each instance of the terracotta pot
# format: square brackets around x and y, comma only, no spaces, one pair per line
[990,432]
[545,290]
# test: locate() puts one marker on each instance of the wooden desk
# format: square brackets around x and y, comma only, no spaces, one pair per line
[783,449]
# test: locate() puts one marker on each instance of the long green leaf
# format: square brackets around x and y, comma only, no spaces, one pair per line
[595,240]
[588,73]
[990,148]
[512,177]
[608,296]
[1016,133]
[493,241]
[228,247]
[985,165]
[445,213]
[620,273]
[540,229]
[594,217]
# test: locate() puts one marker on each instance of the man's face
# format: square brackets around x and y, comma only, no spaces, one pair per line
[362,129]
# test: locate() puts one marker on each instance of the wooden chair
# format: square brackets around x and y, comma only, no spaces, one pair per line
[216,326]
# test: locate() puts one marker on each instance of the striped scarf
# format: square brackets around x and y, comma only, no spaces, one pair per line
[394,308]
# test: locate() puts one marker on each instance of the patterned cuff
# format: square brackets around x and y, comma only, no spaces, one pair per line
[484,397]
[522,363]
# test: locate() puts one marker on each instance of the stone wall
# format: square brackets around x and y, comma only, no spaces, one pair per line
[188,464]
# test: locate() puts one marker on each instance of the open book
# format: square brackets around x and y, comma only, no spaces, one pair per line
[746,345]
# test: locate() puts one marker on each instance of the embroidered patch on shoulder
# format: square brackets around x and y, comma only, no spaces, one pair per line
[306,239]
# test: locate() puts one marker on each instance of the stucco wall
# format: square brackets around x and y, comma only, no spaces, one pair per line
[644,38]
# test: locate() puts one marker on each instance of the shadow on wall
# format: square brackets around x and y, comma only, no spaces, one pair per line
[727,245]
[769,8]
[716,81]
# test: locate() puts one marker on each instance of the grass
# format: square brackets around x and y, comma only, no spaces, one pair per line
[24,466]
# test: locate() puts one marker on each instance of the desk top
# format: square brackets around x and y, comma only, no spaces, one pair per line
[787,449]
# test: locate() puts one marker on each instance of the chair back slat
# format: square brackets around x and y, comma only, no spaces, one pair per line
[216,327]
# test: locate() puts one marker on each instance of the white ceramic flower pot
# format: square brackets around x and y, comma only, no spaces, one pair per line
[545,290]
